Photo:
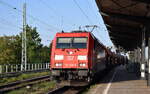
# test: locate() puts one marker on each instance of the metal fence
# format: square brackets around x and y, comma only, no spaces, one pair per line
[11,68]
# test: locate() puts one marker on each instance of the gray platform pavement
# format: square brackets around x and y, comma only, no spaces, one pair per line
[120,81]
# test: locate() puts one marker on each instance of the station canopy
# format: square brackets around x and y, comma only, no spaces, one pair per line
[125,20]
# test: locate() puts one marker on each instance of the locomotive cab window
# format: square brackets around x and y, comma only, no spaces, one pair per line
[63,42]
[79,42]
[72,42]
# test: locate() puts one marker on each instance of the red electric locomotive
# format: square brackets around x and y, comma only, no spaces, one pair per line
[77,55]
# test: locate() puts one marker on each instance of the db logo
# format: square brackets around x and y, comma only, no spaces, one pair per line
[70,57]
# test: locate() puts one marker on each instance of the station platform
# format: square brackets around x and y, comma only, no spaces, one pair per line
[120,81]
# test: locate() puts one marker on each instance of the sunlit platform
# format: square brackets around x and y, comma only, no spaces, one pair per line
[120,81]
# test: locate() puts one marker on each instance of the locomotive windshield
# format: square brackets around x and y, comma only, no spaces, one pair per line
[72,42]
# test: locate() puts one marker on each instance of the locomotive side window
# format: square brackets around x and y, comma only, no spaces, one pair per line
[101,54]
[71,42]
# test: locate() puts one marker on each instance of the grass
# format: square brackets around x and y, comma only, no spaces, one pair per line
[4,81]
[41,88]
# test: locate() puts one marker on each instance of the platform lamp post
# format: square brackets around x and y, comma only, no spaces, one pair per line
[148,80]
[143,55]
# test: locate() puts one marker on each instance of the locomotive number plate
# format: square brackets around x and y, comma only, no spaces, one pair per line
[70,65]
[70,57]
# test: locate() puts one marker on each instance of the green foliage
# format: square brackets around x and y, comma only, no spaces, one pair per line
[33,45]
[10,48]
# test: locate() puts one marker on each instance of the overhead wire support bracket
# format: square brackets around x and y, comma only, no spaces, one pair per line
[91,26]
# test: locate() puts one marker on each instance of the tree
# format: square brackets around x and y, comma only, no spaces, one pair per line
[36,52]
[33,45]
[45,54]
[10,48]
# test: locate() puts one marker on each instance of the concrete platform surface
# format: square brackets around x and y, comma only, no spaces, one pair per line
[120,81]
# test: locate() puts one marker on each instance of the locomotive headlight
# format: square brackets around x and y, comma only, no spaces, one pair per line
[58,64]
[59,57]
[82,64]
[82,57]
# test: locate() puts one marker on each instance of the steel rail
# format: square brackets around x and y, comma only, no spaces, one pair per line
[59,90]
[15,85]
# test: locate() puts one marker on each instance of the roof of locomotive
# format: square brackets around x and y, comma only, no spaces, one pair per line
[73,33]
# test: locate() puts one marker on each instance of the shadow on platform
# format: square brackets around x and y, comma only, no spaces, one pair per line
[122,73]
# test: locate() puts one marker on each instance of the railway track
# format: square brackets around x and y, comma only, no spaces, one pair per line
[68,90]
[15,74]
[59,90]
[29,82]
[77,89]
[22,83]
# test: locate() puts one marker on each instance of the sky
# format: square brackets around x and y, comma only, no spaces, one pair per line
[52,16]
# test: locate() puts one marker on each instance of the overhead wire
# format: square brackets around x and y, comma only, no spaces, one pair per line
[56,13]
[11,25]
[100,36]
[90,7]
[5,27]
[101,26]
[82,11]
[4,20]
[34,18]
[7,23]
[8,26]
[48,6]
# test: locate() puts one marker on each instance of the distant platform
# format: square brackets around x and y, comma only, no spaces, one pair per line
[120,81]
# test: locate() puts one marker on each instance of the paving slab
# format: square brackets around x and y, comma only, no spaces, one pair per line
[120,81]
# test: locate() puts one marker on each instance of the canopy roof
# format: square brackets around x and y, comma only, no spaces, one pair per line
[125,20]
